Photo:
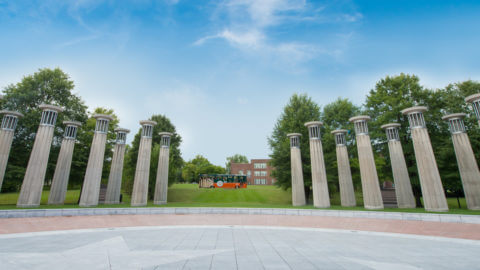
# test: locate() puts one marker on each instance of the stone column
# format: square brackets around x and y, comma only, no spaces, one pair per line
[9,123]
[93,174]
[116,169]
[475,101]
[58,189]
[347,194]
[430,182]
[161,185]
[403,187]
[321,198]
[31,191]
[467,164]
[298,187]
[372,197]
[142,172]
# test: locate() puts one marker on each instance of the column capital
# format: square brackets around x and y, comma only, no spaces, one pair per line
[122,130]
[340,138]
[102,117]
[391,125]
[45,107]
[473,98]
[337,131]
[392,131]
[12,113]
[313,123]
[415,109]
[121,135]
[359,118]
[455,122]
[360,124]
[165,134]
[314,129]
[147,128]
[72,123]
[165,138]
[10,119]
[294,139]
[148,122]
[415,116]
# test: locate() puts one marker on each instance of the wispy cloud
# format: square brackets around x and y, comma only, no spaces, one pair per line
[248,24]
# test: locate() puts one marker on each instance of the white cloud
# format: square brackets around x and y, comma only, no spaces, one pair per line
[246,24]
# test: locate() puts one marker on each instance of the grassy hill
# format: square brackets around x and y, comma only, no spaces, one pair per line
[189,195]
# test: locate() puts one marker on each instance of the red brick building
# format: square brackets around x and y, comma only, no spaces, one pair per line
[257,171]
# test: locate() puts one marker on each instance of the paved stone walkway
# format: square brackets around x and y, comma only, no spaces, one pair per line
[233,247]
[432,228]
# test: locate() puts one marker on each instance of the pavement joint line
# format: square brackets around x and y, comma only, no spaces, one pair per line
[279,228]
[434,217]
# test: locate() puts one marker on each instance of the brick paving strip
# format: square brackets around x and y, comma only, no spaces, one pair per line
[452,226]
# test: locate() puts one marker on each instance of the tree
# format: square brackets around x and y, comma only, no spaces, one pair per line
[85,135]
[237,158]
[199,165]
[299,110]
[335,115]
[175,160]
[50,86]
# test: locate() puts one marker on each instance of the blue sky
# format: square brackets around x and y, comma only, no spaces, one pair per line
[223,70]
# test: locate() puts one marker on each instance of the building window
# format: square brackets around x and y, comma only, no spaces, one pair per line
[240,172]
[260,165]
[260,173]
[249,173]
[260,181]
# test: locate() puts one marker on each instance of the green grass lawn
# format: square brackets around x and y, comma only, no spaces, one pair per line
[189,195]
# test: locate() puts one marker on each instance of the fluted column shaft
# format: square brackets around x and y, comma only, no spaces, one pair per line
[142,172]
[321,198]
[62,172]
[347,194]
[161,185]
[403,187]
[93,174]
[430,182]
[468,168]
[115,177]
[31,191]
[372,197]
[6,138]
[298,188]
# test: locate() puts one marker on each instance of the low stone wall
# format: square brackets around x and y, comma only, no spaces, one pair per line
[26,213]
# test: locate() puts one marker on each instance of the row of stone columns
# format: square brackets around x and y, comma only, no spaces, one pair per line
[32,185]
[431,185]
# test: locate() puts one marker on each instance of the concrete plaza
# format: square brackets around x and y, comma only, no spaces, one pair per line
[233,247]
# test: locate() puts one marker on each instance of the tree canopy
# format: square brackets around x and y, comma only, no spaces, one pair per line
[49,86]
[299,110]
[199,165]
[175,160]
[237,158]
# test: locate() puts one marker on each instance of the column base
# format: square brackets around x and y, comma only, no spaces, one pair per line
[322,206]
[88,205]
[27,205]
[138,204]
[55,203]
[160,202]
[406,206]
[349,205]
[437,209]
[474,208]
[374,207]
[112,202]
